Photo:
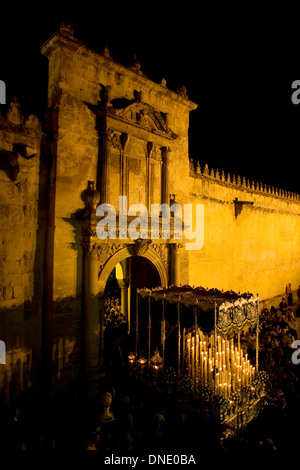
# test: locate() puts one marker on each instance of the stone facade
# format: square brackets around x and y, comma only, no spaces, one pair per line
[110,131]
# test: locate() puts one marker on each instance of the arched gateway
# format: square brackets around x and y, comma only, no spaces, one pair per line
[154,253]
[100,258]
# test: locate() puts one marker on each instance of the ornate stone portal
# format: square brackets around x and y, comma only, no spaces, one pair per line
[135,143]
[100,257]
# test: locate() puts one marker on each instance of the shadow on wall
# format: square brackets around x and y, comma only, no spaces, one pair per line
[24,370]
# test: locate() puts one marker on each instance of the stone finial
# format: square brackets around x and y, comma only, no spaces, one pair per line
[198,168]
[66,28]
[106,52]
[106,416]
[106,94]
[91,197]
[136,64]
[164,82]
[14,114]
[206,171]
[217,174]
[33,122]
[181,91]
[223,178]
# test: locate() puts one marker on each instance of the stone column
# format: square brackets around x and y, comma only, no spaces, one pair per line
[105,166]
[124,165]
[175,264]
[150,148]
[91,313]
[124,284]
[91,317]
[165,198]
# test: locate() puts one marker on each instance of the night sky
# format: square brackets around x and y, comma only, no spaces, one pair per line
[237,66]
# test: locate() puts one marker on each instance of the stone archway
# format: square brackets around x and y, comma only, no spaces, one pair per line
[122,254]
[100,258]
[125,253]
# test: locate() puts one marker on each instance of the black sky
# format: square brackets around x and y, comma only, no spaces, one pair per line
[237,66]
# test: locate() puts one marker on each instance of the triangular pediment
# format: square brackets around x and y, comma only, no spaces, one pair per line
[145,116]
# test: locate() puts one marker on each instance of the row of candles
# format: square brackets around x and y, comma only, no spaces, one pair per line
[233,368]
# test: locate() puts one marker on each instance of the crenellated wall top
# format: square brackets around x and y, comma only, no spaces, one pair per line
[238,182]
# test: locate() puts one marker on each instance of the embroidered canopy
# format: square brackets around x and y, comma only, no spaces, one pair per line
[233,310]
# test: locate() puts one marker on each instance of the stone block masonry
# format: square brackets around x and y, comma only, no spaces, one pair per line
[109,131]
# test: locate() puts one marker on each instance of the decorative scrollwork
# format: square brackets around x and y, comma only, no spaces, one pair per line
[161,249]
[251,313]
[141,246]
[224,320]
[238,316]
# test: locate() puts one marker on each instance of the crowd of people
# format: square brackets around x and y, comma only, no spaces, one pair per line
[147,422]
[113,317]
[277,334]
[142,419]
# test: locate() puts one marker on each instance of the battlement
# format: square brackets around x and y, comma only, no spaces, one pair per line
[238,182]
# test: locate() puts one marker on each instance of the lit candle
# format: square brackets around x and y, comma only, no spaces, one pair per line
[225,383]
[196,357]
[193,358]
[229,383]
[239,382]
[210,373]
[189,355]
[184,345]
[219,343]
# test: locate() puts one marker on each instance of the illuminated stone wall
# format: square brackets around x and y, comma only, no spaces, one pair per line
[110,125]
[21,234]
[259,249]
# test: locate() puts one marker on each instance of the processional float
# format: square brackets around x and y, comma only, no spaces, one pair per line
[209,351]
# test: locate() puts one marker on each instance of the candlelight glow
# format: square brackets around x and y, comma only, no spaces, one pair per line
[233,368]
